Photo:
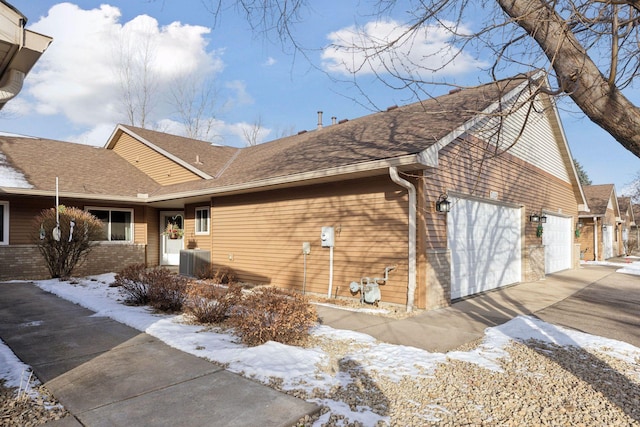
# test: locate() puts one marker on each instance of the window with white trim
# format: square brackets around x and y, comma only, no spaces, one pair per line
[4,223]
[202,220]
[117,224]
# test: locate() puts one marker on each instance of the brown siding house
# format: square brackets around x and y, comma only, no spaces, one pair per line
[423,203]
[600,228]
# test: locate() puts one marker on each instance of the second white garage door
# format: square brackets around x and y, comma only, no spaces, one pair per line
[485,243]
[557,239]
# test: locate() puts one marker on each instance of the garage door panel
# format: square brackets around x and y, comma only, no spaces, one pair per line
[484,239]
[557,239]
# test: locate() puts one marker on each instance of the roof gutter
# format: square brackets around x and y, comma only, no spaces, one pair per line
[393,173]
[323,175]
[13,85]
[319,176]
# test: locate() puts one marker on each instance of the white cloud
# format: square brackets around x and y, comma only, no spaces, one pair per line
[269,62]
[97,135]
[77,77]
[365,50]
[241,96]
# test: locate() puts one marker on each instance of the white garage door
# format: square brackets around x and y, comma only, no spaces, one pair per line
[484,239]
[607,242]
[557,239]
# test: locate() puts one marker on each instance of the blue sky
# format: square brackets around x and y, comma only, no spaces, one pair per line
[71,94]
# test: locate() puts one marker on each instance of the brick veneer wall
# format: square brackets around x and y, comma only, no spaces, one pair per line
[438,277]
[24,262]
[534,263]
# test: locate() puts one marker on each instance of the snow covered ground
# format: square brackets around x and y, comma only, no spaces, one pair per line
[297,367]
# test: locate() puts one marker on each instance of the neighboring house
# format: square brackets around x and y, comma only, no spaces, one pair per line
[627,220]
[600,228]
[634,238]
[377,181]
[19,50]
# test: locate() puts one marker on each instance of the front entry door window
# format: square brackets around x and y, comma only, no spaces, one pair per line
[171,237]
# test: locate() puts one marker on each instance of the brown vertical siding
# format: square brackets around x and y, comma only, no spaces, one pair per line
[260,235]
[159,167]
[152,217]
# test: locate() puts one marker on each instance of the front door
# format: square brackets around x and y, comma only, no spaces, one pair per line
[171,236]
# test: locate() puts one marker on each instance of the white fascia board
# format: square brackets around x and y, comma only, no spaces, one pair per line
[431,153]
[155,148]
[70,195]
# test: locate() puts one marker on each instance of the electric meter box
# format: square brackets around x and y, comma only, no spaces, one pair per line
[327,237]
[306,248]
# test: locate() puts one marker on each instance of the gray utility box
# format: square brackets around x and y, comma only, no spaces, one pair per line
[194,261]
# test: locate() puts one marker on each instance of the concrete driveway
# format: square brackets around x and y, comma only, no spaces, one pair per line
[593,299]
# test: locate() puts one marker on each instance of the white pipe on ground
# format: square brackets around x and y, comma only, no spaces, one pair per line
[393,173]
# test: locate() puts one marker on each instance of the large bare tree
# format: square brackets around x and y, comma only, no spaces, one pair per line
[588,49]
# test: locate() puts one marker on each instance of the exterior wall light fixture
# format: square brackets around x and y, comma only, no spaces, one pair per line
[443,205]
[534,217]
[543,219]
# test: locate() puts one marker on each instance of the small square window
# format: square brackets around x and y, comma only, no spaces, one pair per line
[202,220]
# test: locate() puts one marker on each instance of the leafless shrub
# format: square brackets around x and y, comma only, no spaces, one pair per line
[271,314]
[211,303]
[157,287]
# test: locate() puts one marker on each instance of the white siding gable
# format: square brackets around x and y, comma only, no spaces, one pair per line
[535,144]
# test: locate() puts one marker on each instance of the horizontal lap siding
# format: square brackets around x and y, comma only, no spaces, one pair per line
[159,167]
[465,168]
[23,211]
[263,234]
[191,239]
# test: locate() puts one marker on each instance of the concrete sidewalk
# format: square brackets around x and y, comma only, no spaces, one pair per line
[107,374]
[593,299]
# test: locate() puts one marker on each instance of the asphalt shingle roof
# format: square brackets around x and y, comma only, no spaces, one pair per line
[598,197]
[80,168]
[388,134]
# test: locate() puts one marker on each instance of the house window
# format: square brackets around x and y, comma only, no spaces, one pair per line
[4,223]
[202,220]
[117,224]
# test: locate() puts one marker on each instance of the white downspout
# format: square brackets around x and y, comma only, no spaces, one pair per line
[595,238]
[393,173]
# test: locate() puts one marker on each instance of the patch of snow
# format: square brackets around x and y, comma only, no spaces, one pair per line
[9,177]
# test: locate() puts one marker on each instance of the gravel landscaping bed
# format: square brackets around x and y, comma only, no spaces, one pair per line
[539,385]
[28,411]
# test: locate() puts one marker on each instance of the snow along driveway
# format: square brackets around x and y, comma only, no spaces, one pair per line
[523,372]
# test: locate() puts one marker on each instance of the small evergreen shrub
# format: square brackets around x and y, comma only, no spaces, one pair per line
[211,303]
[271,314]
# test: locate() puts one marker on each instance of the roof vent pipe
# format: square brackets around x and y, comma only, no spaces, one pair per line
[334,119]
[411,291]
[319,119]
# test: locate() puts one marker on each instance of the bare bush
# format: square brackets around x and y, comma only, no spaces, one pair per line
[211,303]
[132,280]
[271,314]
[219,275]
[167,291]
[157,287]
[65,238]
